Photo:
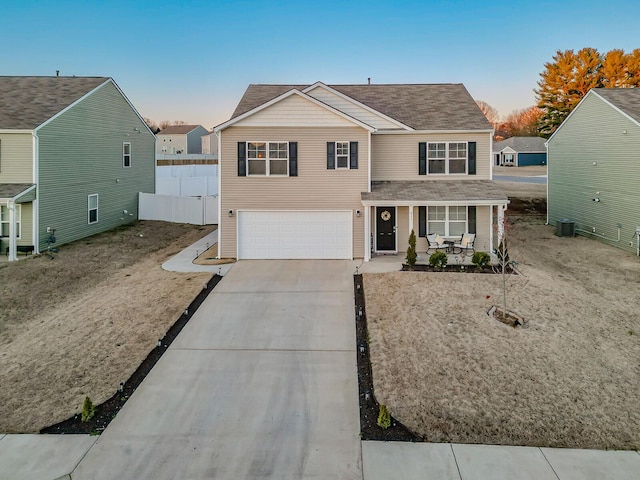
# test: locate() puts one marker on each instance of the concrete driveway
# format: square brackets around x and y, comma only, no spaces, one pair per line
[260,384]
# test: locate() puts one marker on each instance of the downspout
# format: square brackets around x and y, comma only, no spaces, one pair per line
[35,204]
[219,135]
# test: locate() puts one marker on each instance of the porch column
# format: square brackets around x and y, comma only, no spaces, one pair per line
[410,220]
[11,207]
[367,233]
[501,209]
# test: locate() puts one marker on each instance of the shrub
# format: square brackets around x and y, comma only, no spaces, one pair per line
[480,259]
[412,256]
[438,260]
[384,419]
[88,410]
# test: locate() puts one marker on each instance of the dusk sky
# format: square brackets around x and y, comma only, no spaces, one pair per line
[192,60]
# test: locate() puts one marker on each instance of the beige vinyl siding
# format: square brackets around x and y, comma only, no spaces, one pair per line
[595,134]
[26,227]
[16,158]
[315,187]
[351,109]
[395,156]
[294,110]
[81,154]
[174,143]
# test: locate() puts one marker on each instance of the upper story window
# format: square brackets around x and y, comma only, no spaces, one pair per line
[268,158]
[4,220]
[92,201]
[447,158]
[342,155]
[126,154]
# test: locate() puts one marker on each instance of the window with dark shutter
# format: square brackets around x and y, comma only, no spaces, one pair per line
[471,219]
[242,159]
[293,159]
[353,155]
[472,158]
[331,155]
[422,158]
[422,221]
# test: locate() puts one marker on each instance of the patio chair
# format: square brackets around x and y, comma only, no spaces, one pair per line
[465,246]
[436,242]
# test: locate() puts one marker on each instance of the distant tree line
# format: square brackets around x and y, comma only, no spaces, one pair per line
[563,83]
[157,127]
[568,78]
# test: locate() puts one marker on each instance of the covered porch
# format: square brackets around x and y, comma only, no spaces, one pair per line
[16,218]
[449,208]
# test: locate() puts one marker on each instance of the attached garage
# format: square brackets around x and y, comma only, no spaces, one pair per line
[300,234]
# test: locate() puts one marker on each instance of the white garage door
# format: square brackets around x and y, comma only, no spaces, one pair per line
[295,234]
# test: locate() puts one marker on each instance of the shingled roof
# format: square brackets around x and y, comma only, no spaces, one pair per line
[626,99]
[27,102]
[521,144]
[177,129]
[447,106]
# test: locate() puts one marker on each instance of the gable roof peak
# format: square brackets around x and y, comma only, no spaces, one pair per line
[420,106]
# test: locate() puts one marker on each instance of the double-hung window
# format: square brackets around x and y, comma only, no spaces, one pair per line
[268,158]
[342,154]
[447,158]
[126,154]
[4,220]
[92,201]
[447,221]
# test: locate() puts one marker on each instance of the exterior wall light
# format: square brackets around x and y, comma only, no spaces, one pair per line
[357,213]
[231,213]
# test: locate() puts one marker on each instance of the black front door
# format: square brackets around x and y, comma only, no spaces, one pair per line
[386,228]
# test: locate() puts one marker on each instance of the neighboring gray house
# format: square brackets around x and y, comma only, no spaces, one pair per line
[181,139]
[520,152]
[594,168]
[74,153]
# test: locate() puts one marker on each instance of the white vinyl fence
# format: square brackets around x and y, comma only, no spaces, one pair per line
[169,208]
[187,180]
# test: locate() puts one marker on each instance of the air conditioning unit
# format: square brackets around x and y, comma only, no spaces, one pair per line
[565,228]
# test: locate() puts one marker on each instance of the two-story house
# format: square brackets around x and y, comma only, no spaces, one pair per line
[181,139]
[347,171]
[74,153]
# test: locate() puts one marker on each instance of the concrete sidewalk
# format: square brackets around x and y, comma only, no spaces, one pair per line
[445,461]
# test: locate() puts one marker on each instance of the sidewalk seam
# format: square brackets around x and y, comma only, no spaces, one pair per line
[455,460]
[553,469]
[82,458]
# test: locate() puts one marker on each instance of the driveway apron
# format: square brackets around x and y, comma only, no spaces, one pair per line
[260,384]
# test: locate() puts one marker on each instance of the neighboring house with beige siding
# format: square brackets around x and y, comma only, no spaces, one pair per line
[181,139]
[74,153]
[347,171]
[594,169]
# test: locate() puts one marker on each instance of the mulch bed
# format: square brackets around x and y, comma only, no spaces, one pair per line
[369,407]
[107,411]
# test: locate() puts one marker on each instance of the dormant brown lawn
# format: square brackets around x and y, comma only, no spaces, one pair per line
[571,379]
[80,324]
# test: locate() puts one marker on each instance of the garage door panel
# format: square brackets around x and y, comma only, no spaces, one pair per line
[295,234]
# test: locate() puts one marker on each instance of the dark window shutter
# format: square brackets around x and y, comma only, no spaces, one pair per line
[242,159]
[422,158]
[471,214]
[331,155]
[293,159]
[353,155]
[422,221]
[472,158]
